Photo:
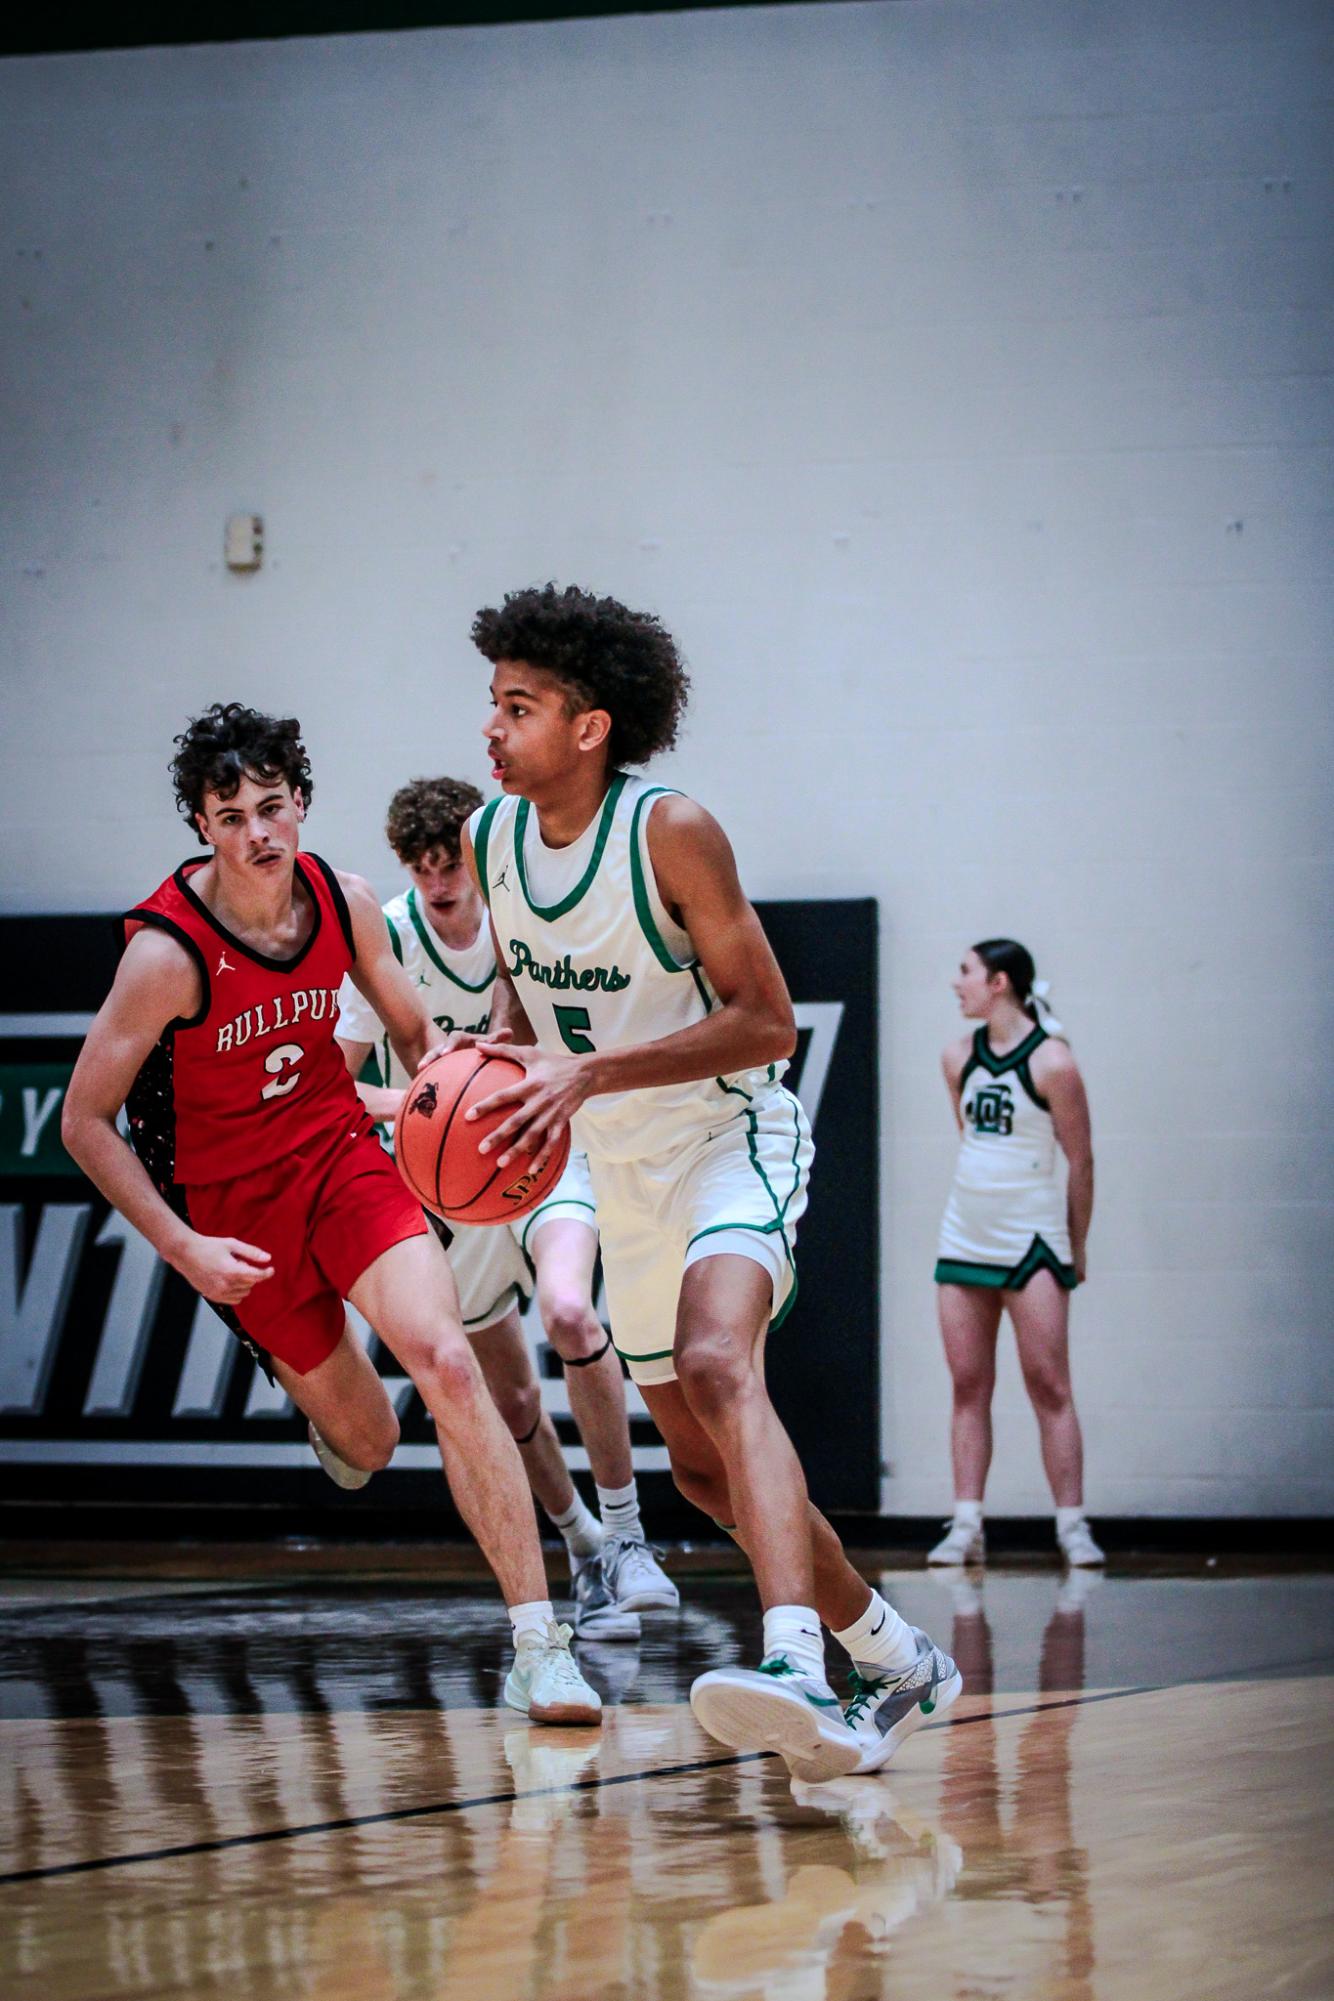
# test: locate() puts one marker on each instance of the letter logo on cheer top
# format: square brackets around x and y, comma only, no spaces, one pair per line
[992,1109]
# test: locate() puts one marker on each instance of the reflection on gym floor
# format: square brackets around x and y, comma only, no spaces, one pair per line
[287,1791]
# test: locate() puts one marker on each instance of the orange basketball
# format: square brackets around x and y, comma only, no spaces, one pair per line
[437,1147]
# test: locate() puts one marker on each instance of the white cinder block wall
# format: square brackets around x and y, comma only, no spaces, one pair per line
[954,378]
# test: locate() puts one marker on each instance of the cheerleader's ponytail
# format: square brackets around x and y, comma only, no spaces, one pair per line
[1008,956]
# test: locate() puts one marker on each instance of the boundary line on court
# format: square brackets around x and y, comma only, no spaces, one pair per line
[385,1818]
[391,1815]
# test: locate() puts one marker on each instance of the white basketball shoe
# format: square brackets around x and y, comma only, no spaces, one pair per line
[635,1578]
[545,1683]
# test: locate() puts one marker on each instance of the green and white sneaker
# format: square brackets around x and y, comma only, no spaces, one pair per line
[777,1708]
[545,1684]
[342,1475]
[886,1709]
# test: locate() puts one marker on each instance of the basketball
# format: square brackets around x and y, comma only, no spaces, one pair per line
[436,1146]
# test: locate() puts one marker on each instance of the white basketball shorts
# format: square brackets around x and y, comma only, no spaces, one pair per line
[739,1188]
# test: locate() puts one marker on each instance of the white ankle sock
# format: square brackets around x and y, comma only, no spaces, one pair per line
[579,1526]
[1066,1519]
[619,1509]
[794,1630]
[880,1638]
[970,1512]
[532,1618]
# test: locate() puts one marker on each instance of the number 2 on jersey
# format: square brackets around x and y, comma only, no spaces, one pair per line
[573,1023]
[284,1057]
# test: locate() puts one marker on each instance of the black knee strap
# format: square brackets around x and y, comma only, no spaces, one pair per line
[582,1361]
[530,1434]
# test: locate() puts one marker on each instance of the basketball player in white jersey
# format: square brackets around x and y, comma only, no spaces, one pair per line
[440,935]
[1012,1238]
[646,1005]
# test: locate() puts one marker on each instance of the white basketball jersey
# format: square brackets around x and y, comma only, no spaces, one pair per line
[1009,1141]
[598,963]
[455,984]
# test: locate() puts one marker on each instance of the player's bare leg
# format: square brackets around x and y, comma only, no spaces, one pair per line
[841,1594]
[564,1252]
[507,1366]
[722,1320]
[899,1676]
[349,1408]
[408,1296]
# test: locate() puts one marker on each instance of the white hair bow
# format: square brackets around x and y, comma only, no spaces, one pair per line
[1040,992]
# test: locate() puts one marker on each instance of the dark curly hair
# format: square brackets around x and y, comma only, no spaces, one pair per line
[230,742]
[428,813]
[609,658]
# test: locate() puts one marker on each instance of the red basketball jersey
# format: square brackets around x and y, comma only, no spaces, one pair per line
[256,1073]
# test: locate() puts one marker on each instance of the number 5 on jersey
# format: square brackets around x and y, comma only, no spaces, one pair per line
[284,1057]
[573,1024]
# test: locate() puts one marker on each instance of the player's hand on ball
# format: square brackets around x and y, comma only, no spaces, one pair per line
[224,1269]
[462,1039]
[552,1091]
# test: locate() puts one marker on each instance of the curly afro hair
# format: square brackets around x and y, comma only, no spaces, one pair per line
[609,658]
[428,813]
[230,742]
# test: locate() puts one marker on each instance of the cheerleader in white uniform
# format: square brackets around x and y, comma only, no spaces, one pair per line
[1012,1237]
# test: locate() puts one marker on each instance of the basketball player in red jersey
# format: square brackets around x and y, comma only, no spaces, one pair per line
[256,1172]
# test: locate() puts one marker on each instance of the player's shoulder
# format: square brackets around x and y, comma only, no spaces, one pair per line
[160,970]
[503,805]
[677,819]
[363,922]
[360,897]
[151,950]
[484,825]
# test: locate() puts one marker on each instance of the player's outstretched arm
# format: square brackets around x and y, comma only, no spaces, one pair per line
[697,878]
[377,975]
[155,985]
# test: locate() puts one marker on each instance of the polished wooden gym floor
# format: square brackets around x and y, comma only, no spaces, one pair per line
[285,1774]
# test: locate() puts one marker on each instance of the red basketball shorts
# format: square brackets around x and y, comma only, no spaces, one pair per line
[324,1214]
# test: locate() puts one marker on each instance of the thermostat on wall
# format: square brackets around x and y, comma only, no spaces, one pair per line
[244,541]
